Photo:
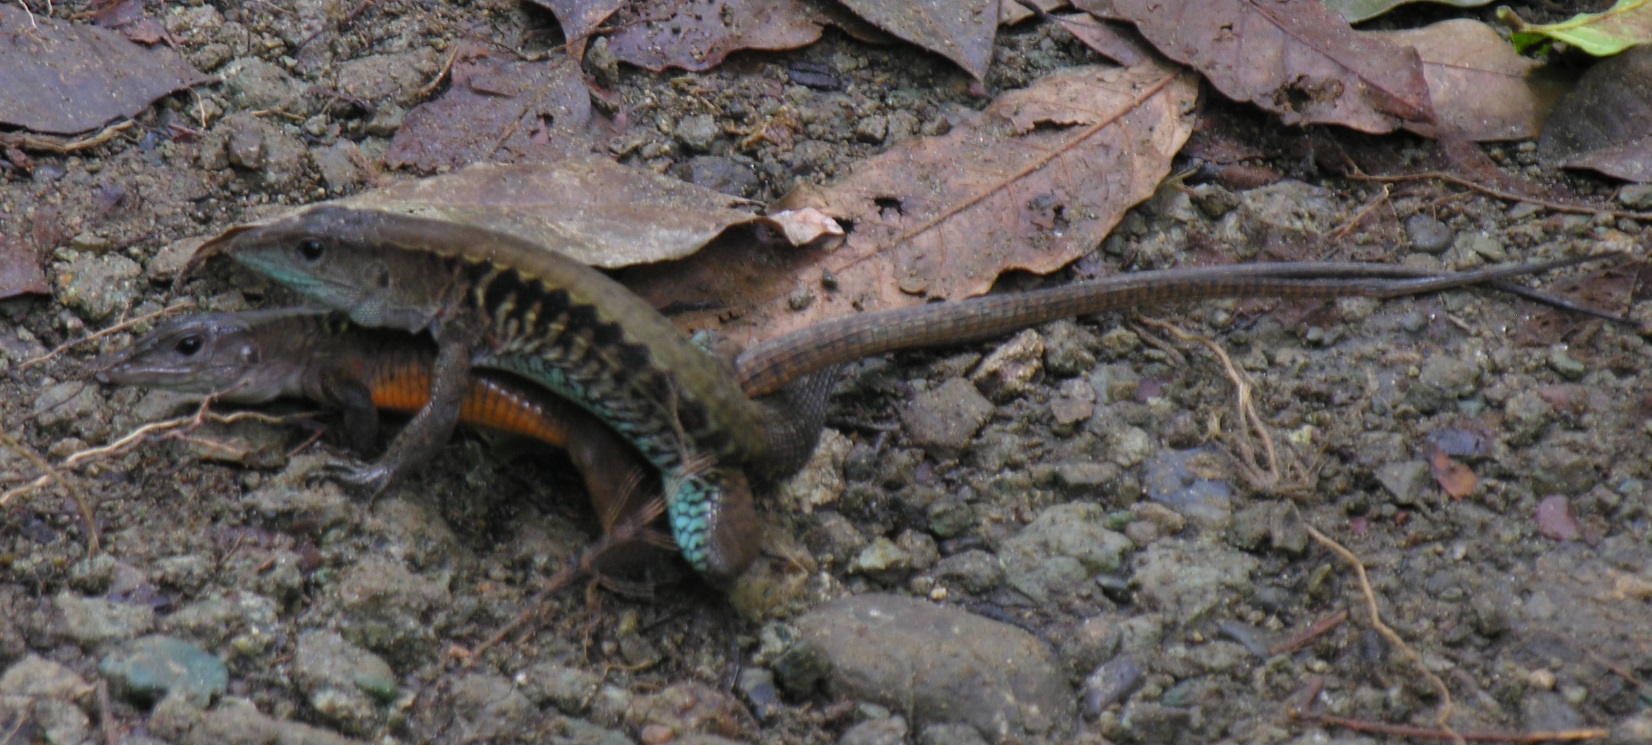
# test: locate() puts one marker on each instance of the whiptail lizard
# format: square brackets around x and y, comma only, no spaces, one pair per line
[496,301]
[254,357]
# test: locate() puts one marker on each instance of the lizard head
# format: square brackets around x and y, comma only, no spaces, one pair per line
[356,261]
[205,353]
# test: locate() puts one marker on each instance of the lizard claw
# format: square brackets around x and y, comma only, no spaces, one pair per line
[370,479]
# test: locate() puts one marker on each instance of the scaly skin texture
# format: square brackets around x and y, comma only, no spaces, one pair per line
[496,301]
[254,357]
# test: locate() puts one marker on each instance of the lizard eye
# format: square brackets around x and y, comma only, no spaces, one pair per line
[311,249]
[189,345]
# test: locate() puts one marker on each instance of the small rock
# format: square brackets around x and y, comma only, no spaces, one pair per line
[1187,578]
[1547,711]
[1174,479]
[756,686]
[96,286]
[1061,550]
[880,557]
[697,132]
[342,681]
[950,734]
[939,664]
[386,608]
[1427,234]
[570,689]
[686,708]
[944,418]
[1111,683]
[340,166]
[147,668]
[59,721]
[487,707]
[239,721]
[1561,361]
[1525,417]
[872,129]
[1636,196]
[37,677]
[1444,379]
[886,731]
[974,571]
[1010,371]
[245,146]
[1635,729]
[252,84]
[1408,481]
[721,173]
[1554,519]
[92,621]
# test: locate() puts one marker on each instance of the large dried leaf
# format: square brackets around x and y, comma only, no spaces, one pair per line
[698,34]
[1364,10]
[19,269]
[1034,181]
[959,30]
[1291,57]
[497,108]
[1625,24]
[1115,40]
[580,17]
[63,78]
[1481,88]
[1602,123]
[596,211]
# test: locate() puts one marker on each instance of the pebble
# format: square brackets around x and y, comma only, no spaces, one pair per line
[1111,683]
[697,132]
[384,607]
[1554,519]
[939,665]
[1407,481]
[943,419]
[342,681]
[37,677]
[1636,196]
[1057,554]
[236,720]
[720,173]
[92,621]
[950,734]
[885,731]
[974,571]
[685,708]
[569,689]
[1427,234]
[1012,369]
[1187,578]
[487,707]
[151,667]
[1172,478]
[881,557]
[95,286]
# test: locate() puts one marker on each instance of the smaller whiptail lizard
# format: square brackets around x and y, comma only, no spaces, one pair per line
[496,301]
[254,357]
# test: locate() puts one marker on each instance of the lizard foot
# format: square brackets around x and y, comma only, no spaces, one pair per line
[369,479]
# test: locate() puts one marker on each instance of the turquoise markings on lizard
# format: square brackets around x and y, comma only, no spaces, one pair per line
[495,301]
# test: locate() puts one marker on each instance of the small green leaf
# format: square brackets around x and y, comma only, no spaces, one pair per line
[1355,11]
[1627,23]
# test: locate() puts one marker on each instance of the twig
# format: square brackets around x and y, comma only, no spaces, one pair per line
[1500,193]
[1301,638]
[51,474]
[27,141]
[1441,718]
[184,304]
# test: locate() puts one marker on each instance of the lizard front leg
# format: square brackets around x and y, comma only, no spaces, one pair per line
[429,429]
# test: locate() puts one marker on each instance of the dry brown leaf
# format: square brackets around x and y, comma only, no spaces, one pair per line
[65,78]
[698,34]
[1291,57]
[1114,40]
[959,30]
[594,210]
[1481,88]
[1034,181]
[580,17]
[20,270]
[1456,479]
[1601,124]
[497,108]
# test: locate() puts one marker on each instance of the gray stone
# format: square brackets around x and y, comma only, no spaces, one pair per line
[342,681]
[1177,479]
[1427,234]
[697,132]
[1186,579]
[96,285]
[150,667]
[1061,549]
[252,84]
[1012,369]
[1408,481]
[487,706]
[37,677]
[239,721]
[92,621]
[944,418]
[886,731]
[940,665]
[975,571]
[569,689]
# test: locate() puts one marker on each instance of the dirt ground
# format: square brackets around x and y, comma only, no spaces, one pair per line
[1530,598]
